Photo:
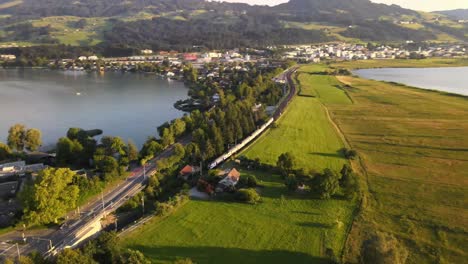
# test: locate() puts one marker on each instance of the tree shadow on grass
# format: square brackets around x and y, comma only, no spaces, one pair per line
[315,225]
[226,255]
[338,154]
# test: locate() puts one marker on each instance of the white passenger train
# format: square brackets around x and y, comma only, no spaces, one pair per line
[239,146]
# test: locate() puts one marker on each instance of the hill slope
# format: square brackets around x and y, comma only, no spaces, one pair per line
[182,24]
[455,14]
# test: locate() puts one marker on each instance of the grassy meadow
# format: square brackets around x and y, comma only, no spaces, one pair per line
[284,228]
[305,129]
[414,150]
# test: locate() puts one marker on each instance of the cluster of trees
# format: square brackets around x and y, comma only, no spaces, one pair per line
[49,197]
[27,32]
[77,148]
[20,138]
[324,184]
[254,85]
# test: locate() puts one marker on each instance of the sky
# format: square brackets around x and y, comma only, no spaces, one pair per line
[423,5]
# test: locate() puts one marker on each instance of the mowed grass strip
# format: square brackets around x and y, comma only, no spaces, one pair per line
[283,228]
[305,131]
[415,148]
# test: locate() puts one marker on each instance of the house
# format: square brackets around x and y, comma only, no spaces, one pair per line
[146,51]
[188,171]
[7,57]
[230,180]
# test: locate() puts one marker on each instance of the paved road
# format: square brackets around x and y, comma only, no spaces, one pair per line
[72,230]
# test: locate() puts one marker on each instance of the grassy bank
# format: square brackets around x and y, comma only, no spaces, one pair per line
[283,228]
[414,147]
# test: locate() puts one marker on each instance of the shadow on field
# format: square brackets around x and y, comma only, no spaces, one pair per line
[226,255]
[315,225]
[338,154]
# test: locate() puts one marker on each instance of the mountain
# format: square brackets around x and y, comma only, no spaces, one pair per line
[183,24]
[459,14]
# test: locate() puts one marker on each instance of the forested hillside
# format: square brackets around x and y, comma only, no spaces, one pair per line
[183,24]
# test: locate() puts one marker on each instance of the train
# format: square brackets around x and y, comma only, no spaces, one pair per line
[239,146]
[259,131]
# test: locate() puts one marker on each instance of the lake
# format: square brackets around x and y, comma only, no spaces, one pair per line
[129,105]
[452,80]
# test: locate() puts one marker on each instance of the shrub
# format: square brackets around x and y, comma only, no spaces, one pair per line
[248,195]
[248,181]
[350,153]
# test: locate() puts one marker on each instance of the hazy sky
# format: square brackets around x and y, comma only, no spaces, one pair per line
[425,5]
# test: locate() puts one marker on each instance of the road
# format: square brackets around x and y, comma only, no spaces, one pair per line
[73,230]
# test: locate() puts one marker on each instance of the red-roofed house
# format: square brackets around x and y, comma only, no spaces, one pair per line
[230,180]
[188,171]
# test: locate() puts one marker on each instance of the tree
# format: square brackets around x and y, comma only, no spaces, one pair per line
[327,184]
[70,152]
[33,139]
[5,151]
[345,172]
[286,163]
[383,248]
[178,127]
[193,153]
[73,132]
[209,151]
[50,197]
[350,185]
[151,148]
[132,151]
[134,257]
[108,165]
[71,256]
[16,136]
[167,137]
[350,153]
[248,195]
[107,248]
[113,145]
[291,182]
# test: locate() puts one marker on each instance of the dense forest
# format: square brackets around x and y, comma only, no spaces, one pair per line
[250,31]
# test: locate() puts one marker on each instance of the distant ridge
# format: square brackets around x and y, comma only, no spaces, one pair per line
[455,14]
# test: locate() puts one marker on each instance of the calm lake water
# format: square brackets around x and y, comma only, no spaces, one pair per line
[128,105]
[453,80]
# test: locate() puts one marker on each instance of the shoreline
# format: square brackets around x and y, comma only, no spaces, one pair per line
[442,91]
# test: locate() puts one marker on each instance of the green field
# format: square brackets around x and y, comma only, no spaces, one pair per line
[292,229]
[305,129]
[414,147]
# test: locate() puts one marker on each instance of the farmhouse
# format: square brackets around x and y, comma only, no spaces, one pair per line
[230,180]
